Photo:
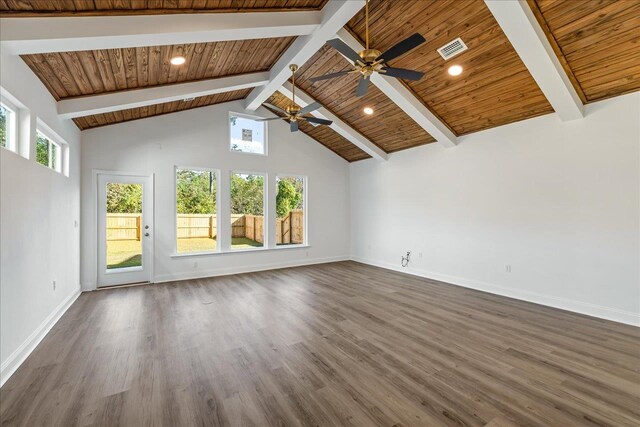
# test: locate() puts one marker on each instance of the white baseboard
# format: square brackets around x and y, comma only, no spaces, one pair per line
[225,271]
[16,358]
[594,310]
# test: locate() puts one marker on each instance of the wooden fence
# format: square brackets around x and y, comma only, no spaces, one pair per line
[191,226]
[123,226]
[289,230]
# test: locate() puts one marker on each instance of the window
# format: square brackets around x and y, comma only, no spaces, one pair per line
[196,210]
[247,134]
[8,127]
[290,215]
[48,153]
[124,216]
[247,210]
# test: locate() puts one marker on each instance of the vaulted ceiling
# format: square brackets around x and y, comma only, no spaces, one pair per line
[595,41]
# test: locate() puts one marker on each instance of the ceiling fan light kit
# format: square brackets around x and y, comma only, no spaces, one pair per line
[370,61]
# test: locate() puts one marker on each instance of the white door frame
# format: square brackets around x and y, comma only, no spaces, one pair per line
[104,277]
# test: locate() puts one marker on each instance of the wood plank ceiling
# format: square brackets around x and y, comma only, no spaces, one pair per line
[323,134]
[96,120]
[389,127]
[596,40]
[69,74]
[72,74]
[147,7]
[495,87]
[598,43]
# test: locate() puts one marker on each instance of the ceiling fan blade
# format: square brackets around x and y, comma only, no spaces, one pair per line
[329,76]
[318,121]
[363,85]
[401,48]
[269,119]
[309,108]
[344,49]
[293,126]
[401,73]
[273,107]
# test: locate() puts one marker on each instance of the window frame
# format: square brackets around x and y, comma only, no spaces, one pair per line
[218,249]
[265,152]
[305,192]
[53,143]
[12,125]
[265,211]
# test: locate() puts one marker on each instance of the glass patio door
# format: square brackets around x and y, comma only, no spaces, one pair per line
[125,229]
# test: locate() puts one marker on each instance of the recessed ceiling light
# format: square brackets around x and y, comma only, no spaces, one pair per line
[455,70]
[368,110]
[178,60]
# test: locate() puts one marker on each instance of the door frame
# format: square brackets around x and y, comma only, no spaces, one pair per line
[96,230]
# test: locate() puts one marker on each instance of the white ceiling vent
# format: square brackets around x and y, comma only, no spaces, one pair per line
[452,49]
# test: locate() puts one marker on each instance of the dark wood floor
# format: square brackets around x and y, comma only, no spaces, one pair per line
[336,344]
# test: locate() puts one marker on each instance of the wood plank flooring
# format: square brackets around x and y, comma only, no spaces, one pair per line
[336,344]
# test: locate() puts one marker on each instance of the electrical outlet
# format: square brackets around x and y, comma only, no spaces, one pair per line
[54,285]
[195,264]
[307,253]
[420,255]
[507,268]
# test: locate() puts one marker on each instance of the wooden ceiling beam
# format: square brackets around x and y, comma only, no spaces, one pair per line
[122,100]
[356,138]
[530,42]
[335,14]
[406,100]
[43,35]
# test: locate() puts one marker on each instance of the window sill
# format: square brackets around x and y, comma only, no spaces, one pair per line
[238,251]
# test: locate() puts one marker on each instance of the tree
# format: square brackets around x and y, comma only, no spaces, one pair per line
[124,198]
[42,150]
[247,192]
[196,192]
[289,195]
[3,127]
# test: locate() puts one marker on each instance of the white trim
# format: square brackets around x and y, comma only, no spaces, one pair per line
[175,208]
[265,145]
[305,216]
[17,358]
[589,309]
[11,124]
[530,42]
[93,247]
[203,253]
[226,271]
[335,14]
[356,138]
[121,100]
[34,35]
[62,157]
[406,100]
[265,207]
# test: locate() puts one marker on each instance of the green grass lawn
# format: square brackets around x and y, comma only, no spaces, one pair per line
[127,253]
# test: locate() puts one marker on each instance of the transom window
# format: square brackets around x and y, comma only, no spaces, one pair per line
[48,152]
[7,127]
[247,134]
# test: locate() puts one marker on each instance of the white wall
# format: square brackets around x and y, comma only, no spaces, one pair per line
[199,138]
[39,230]
[559,202]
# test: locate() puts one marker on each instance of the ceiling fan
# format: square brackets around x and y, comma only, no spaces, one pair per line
[293,113]
[371,61]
